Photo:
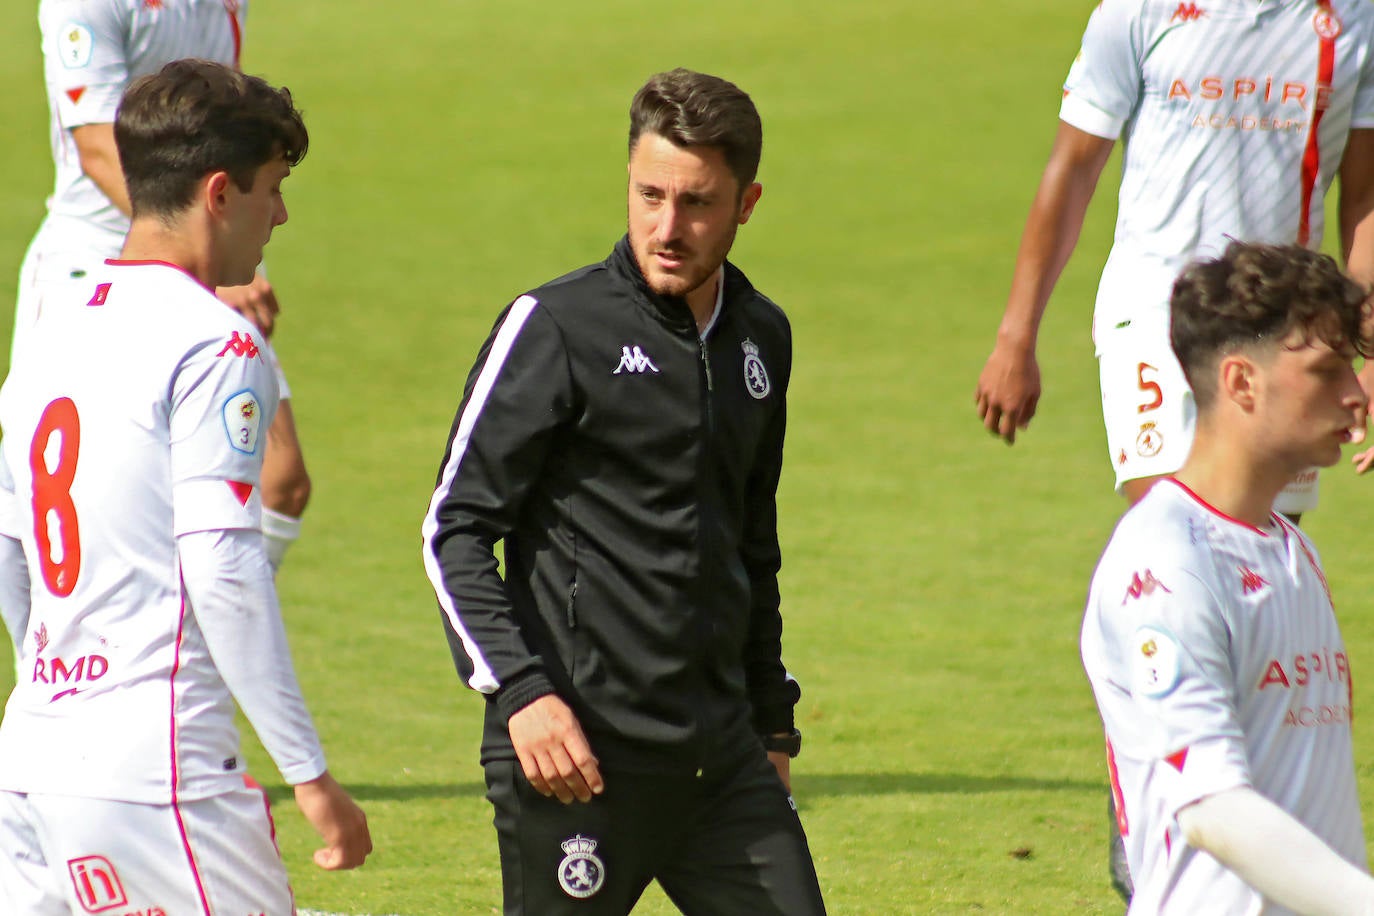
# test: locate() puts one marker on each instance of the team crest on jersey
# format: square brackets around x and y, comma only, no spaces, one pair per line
[242,421]
[755,375]
[581,873]
[74,44]
[1149,442]
[1154,662]
[1327,25]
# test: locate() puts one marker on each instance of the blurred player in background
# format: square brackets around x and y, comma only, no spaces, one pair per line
[133,421]
[92,50]
[1236,117]
[1210,638]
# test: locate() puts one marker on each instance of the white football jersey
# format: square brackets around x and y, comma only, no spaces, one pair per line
[135,415]
[92,50]
[1217,663]
[1235,115]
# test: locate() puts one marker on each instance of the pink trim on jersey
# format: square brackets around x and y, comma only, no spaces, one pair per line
[1214,510]
[231,7]
[176,805]
[1311,159]
[122,262]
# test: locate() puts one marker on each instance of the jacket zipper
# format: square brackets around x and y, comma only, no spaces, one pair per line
[710,387]
[572,601]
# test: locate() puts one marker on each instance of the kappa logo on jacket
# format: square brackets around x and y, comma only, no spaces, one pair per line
[632,359]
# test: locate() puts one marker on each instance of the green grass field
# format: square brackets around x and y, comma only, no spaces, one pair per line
[933,579]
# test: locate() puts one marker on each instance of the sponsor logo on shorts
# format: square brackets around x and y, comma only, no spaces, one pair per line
[1149,442]
[97,885]
[581,873]
[755,375]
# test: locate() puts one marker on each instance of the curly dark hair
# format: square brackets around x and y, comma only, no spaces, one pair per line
[194,117]
[697,109]
[1257,294]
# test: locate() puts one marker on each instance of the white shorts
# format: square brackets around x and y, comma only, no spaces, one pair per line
[217,856]
[1149,412]
[46,273]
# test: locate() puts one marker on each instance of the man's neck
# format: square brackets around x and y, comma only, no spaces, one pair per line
[150,239]
[1225,476]
[703,300]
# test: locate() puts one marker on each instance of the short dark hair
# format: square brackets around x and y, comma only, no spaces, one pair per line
[695,109]
[194,117]
[1258,294]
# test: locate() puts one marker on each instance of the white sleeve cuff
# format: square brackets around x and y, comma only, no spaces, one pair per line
[1076,111]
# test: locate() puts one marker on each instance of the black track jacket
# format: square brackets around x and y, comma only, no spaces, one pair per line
[631,469]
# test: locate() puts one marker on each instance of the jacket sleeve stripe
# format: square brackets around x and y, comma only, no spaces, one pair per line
[483,679]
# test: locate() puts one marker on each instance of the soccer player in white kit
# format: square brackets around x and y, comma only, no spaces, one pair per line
[133,431]
[1209,636]
[92,50]
[1236,116]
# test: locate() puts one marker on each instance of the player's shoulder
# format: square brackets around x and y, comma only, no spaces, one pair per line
[52,13]
[172,306]
[1161,537]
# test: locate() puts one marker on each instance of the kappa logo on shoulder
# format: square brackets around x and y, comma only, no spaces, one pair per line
[1145,584]
[240,345]
[1187,12]
[633,360]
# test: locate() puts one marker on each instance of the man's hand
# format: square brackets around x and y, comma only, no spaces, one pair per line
[554,752]
[1008,390]
[255,301]
[1364,460]
[783,764]
[338,820]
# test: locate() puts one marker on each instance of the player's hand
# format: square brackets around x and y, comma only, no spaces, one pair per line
[255,301]
[338,820]
[554,752]
[1008,390]
[783,764]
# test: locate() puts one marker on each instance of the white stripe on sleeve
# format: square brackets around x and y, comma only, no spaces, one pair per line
[483,679]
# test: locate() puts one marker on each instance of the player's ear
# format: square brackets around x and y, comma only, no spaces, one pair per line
[1236,378]
[748,200]
[215,191]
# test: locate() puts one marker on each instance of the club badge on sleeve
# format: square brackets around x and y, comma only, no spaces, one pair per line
[755,375]
[1154,662]
[581,873]
[242,421]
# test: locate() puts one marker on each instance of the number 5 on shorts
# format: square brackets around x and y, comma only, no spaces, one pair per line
[1152,388]
[52,496]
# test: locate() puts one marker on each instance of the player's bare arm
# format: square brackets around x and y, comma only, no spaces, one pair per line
[338,820]
[1009,387]
[1357,235]
[554,752]
[95,145]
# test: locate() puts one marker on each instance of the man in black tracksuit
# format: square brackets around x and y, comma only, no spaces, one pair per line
[622,433]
